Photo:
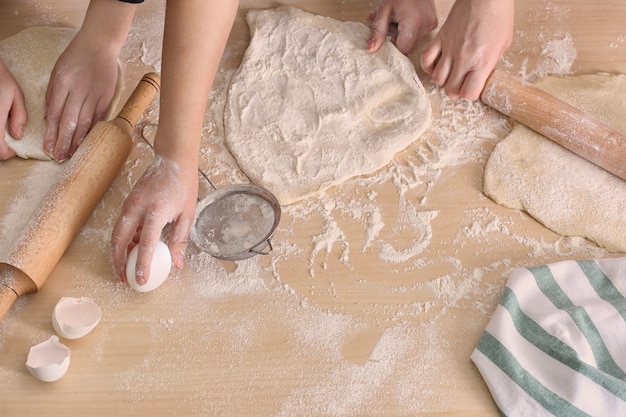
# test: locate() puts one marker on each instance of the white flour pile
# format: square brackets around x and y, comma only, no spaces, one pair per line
[317,331]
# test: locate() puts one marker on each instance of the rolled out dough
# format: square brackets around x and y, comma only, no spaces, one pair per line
[309,108]
[30,55]
[566,193]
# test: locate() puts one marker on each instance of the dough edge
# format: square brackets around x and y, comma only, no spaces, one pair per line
[564,192]
[287,198]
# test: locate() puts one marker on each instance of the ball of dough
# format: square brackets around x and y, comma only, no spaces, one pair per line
[159,268]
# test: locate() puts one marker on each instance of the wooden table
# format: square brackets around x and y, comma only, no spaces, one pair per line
[375,294]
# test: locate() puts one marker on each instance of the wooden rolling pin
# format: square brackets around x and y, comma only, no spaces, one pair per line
[70,201]
[560,122]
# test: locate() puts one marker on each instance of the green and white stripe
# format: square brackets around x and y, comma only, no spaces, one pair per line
[556,344]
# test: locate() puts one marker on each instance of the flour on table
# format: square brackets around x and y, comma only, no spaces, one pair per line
[566,193]
[30,55]
[309,108]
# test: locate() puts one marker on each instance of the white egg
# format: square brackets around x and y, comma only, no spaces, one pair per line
[75,317]
[48,361]
[159,268]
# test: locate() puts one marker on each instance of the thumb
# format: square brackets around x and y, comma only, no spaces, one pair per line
[378,28]
[430,55]
[18,116]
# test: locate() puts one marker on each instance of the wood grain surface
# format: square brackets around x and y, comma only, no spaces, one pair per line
[376,292]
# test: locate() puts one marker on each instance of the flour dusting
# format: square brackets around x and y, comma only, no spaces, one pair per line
[317,327]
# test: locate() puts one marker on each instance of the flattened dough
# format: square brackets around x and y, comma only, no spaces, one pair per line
[308,108]
[30,55]
[568,194]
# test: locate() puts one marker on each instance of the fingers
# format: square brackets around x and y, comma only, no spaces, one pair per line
[12,111]
[472,84]
[468,46]
[17,116]
[5,151]
[459,82]
[69,116]
[430,55]
[88,116]
[379,27]
[437,64]
[459,78]
[441,67]
[150,235]
[407,37]
[405,23]
[178,240]
[67,123]
[133,229]
[55,101]
[143,229]
[124,231]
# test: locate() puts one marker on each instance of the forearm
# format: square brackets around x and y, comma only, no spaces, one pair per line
[107,24]
[196,32]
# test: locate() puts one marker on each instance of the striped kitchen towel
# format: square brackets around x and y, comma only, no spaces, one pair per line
[556,344]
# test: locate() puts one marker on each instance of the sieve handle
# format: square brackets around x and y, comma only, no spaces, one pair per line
[269,248]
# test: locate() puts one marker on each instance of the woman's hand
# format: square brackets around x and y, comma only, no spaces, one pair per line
[406,21]
[462,55]
[83,80]
[12,110]
[81,87]
[166,194]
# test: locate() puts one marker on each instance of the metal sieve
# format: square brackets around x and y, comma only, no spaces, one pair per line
[234,222]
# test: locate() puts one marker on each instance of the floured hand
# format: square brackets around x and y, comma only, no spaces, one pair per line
[405,21]
[12,110]
[81,87]
[165,194]
[83,81]
[466,49]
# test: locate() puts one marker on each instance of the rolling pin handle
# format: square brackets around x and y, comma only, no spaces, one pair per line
[13,283]
[557,120]
[144,93]
[7,299]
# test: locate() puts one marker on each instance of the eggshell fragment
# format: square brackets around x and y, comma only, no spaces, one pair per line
[75,317]
[159,268]
[49,360]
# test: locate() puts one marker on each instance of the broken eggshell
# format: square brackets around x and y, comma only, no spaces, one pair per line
[75,317]
[48,361]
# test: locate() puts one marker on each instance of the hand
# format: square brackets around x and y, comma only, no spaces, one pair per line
[81,87]
[12,110]
[407,21]
[83,80]
[474,36]
[165,194]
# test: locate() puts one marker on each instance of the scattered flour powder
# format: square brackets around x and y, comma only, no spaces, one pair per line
[410,346]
